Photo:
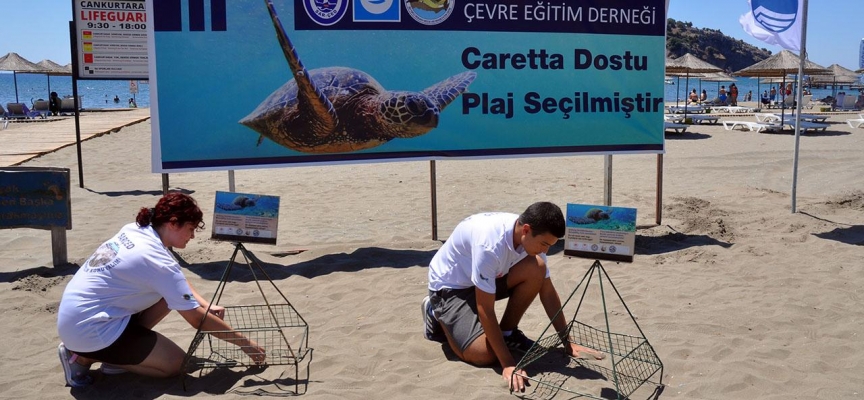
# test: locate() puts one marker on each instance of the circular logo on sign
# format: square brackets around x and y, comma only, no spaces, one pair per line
[377,6]
[325,12]
[430,12]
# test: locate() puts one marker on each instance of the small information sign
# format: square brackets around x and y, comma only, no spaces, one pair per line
[35,198]
[600,232]
[243,217]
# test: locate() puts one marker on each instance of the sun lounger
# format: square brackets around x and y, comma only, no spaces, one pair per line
[20,111]
[67,106]
[804,117]
[673,118]
[848,103]
[805,126]
[855,123]
[734,109]
[811,126]
[704,119]
[677,128]
[689,109]
[750,125]
[41,107]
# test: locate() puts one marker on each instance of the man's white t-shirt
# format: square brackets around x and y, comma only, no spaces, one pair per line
[478,251]
[127,274]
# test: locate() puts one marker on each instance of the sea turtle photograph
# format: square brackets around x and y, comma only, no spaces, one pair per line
[340,109]
[586,216]
[238,203]
[591,216]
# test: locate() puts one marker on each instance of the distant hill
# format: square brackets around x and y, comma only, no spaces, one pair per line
[711,46]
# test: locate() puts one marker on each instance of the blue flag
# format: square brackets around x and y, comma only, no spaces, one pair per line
[777,22]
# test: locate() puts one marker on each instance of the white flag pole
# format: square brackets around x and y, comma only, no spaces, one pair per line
[798,97]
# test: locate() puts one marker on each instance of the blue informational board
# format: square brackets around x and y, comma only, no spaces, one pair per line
[402,79]
[35,198]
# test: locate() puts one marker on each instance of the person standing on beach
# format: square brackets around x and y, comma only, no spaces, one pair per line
[733,95]
[131,282]
[489,257]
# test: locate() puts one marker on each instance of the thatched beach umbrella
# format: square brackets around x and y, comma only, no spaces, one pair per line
[779,65]
[686,65]
[52,68]
[15,63]
[714,77]
[838,75]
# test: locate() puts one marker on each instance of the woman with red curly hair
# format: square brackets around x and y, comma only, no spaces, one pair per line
[126,287]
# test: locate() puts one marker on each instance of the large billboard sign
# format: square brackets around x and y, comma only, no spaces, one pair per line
[258,83]
[111,37]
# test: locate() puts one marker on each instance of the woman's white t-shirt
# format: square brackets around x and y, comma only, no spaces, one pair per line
[478,251]
[127,274]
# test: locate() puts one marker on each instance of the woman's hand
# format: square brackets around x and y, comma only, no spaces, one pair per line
[218,311]
[255,352]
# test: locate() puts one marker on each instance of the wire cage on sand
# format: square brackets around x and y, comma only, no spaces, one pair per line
[630,360]
[277,327]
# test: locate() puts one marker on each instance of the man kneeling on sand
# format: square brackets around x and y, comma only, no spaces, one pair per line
[488,257]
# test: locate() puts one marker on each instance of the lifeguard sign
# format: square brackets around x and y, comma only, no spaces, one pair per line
[111,39]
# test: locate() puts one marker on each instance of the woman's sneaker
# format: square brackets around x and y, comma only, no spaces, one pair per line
[431,328]
[76,374]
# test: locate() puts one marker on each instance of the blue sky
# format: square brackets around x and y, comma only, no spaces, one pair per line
[834,29]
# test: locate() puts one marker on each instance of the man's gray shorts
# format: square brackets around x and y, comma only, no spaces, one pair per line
[456,309]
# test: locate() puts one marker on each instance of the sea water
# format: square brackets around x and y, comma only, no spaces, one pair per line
[94,94]
[680,89]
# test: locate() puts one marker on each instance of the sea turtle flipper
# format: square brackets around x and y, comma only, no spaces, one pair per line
[444,92]
[319,110]
[260,139]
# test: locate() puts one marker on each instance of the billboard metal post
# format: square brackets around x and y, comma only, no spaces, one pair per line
[73,39]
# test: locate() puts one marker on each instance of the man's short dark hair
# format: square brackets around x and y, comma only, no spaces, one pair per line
[544,217]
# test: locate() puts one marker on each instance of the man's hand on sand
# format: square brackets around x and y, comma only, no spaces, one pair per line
[514,379]
[575,350]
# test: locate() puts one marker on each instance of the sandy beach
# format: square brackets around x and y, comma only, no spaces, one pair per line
[740,298]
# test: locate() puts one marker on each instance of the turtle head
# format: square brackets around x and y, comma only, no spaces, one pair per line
[408,114]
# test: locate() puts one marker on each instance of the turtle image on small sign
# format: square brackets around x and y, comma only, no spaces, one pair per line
[340,109]
[243,217]
[600,232]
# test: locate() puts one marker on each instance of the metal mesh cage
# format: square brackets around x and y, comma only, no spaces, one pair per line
[275,328]
[278,328]
[630,363]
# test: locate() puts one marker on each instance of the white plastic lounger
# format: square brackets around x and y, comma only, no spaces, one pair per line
[704,119]
[812,126]
[749,125]
[855,123]
[677,128]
